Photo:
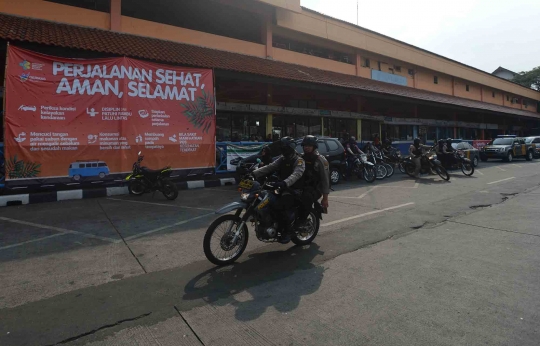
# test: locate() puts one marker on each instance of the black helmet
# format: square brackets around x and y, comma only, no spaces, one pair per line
[417,141]
[352,139]
[441,141]
[287,146]
[266,149]
[388,141]
[449,140]
[375,135]
[311,141]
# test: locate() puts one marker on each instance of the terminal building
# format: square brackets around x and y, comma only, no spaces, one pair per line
[282,69]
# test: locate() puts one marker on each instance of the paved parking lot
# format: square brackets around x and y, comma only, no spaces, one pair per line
[107,239]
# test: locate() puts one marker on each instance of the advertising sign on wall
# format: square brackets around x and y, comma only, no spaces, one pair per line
[82,119]
[237,152]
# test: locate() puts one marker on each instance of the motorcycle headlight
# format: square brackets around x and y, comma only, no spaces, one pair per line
[244,196]
[501,149]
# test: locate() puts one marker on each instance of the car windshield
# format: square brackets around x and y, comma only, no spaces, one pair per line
[454,145]
[529,139]
[503,141]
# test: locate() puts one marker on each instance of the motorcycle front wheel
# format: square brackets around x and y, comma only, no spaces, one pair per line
[467,168]
[136,187]
[381,171]
[442,173]
[217,244]
[170,191]
[369,174]
[389,170]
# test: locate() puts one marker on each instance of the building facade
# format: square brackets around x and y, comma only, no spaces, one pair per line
[281,69]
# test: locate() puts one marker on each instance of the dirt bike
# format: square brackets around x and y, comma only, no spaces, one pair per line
[364,169]
[143,180]
[428,163]
[463,163]
[227,237]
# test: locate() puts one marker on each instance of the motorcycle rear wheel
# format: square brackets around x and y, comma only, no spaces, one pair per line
[306,238]
[369,174]
[231,252]
[136,187]
[467,168]
[442,173]
[170,191]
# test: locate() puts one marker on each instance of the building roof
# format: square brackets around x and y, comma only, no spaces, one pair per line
[502,69]
[16,28]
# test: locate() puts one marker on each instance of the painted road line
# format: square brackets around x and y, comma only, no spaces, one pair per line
[367,192]
[160,204]
[61,230]
[504,170]
[366,214]
[166,227]
[484,191]
[32,241]
[477,171]
[513,164]
[499,181]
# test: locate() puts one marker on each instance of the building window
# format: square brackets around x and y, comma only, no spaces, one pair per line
[240,127]
[367,63]
[525,103]
[226,20]
[411,72]
[507,98]
[467,87]
[340,128]
[96,5]
[397,68]
[435,80]
[310,49]
[493,93]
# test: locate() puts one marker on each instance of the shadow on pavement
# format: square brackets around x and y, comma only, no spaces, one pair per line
[277,271]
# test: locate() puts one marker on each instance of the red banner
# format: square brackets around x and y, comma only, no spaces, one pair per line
[89,118]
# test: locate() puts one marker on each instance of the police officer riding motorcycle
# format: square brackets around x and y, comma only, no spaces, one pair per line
[289,168]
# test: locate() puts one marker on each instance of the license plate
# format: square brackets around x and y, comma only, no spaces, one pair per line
[246,184]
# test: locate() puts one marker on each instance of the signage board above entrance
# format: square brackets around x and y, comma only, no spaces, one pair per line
[388,77]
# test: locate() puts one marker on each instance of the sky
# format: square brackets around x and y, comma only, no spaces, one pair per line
[484,34]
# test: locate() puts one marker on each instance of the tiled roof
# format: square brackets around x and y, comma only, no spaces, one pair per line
[50,33]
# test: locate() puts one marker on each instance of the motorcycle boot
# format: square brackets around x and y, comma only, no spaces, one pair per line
[288,227]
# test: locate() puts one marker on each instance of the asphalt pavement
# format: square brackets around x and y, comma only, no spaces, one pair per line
[396,262]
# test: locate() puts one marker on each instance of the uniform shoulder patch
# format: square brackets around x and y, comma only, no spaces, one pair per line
[300,162]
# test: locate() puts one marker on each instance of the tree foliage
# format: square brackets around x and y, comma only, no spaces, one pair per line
[529,79]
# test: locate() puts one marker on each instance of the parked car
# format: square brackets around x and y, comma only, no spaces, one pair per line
[470,152]
[507,148]
[330,148]
[535,143]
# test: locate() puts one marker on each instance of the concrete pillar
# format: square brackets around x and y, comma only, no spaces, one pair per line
[116,15]
[358,63]
[453,86]
[266,36]
[269,124]
[455,125]
[358,130]
[482,93]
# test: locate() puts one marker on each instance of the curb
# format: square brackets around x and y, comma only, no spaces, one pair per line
[56,196]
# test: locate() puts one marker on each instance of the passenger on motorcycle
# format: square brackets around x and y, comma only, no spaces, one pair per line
[290,168]
[316,178]
[352,152]
[415,151]
[442,152]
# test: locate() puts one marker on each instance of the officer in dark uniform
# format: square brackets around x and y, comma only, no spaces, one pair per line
[316,178]
[290,168]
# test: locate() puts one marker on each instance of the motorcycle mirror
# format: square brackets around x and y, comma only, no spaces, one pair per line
[139,153]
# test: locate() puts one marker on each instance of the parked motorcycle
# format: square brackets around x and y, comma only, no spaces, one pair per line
[380,167]
[143,180]
[364,169]
[395,159]
[429,163]
[227,237]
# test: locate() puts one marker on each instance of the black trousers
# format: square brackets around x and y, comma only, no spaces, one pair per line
[308,197]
